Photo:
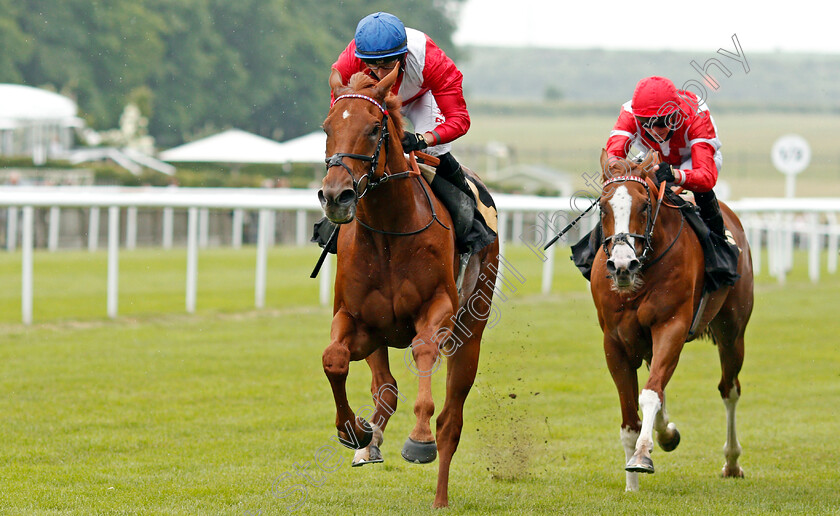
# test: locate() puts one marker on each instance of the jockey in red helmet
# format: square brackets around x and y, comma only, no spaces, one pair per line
[429,84]
[679,126]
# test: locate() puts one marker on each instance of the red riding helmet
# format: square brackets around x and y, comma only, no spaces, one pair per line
[655,97]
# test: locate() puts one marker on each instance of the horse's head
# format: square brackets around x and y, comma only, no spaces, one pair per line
[626,217]
[357,140]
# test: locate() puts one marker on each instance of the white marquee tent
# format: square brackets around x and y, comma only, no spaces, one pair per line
[237,146]
[309,148]
[35,122]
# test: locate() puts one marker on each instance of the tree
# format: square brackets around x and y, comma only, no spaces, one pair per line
[194,66]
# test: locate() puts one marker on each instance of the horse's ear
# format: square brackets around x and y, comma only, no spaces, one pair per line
[646,166]
[336,84]
[605,165]
[651,159]
[384,86]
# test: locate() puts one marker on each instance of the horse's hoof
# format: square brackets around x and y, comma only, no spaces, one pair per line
[419,452]
[640,465]
[374,456]
[357,440]
[672,444]
[735,472]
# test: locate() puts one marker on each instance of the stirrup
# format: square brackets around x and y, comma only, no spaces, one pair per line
[459,281]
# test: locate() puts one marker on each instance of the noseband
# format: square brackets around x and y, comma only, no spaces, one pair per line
[337,159]
[622,238]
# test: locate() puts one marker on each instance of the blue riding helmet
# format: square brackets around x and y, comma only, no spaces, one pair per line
[379,36]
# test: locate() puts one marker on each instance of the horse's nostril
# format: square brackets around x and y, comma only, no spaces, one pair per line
[346,197]
[610,266]
[634,265]
[321,197]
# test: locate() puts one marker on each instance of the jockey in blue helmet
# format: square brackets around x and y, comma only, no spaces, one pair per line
[429,85]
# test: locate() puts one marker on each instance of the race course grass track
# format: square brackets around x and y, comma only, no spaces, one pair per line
[161,412]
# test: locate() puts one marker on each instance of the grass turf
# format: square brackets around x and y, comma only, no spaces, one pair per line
[160,412]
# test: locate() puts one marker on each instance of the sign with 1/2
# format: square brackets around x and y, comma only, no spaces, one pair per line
[791,154]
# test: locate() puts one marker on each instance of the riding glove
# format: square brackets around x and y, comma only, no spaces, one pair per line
[664,173]
[413,142]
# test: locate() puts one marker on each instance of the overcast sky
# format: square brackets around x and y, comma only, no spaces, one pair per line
[703,26]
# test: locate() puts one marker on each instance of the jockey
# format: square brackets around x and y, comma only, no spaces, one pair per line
[678,125]
[429,84]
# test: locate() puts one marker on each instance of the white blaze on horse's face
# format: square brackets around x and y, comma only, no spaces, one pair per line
[345,115]
[622,203]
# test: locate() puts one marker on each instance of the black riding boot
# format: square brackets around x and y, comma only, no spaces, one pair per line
[322,232]
[448,185]
[710,212]
[721,256]
[450,170]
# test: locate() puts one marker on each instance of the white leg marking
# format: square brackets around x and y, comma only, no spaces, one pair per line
[732,448]
[650,405]
[628,440]
[663,428]
[363,454]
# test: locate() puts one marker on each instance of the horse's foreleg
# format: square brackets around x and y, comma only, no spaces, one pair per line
[353,432]
[420,446]
[667,434]
[627,382]
[640,461]
[384,390]
[731,359]
[460,375]
[668,342]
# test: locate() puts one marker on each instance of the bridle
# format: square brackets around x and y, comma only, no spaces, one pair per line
[622,238]
[370,182]
[337,159]
[651,222]
[649,226]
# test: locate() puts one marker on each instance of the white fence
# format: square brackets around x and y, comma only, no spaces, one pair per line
[773,226]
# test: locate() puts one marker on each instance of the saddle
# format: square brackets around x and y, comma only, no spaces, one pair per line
[475,219]
[719,255]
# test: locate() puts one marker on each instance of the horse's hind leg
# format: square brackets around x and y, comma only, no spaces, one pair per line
[731,359]
[384,390]
[460,375]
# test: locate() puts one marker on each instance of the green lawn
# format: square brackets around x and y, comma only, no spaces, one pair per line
[160,412]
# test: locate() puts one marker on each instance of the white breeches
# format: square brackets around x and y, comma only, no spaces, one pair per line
[425,115]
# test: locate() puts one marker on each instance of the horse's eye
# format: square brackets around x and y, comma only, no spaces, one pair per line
[374,131]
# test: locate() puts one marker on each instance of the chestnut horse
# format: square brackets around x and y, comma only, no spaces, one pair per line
[395,280]
[647,284]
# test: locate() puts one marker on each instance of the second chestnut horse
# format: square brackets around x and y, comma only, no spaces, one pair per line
[647,284]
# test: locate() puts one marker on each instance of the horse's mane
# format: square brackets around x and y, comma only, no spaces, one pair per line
[362,83]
